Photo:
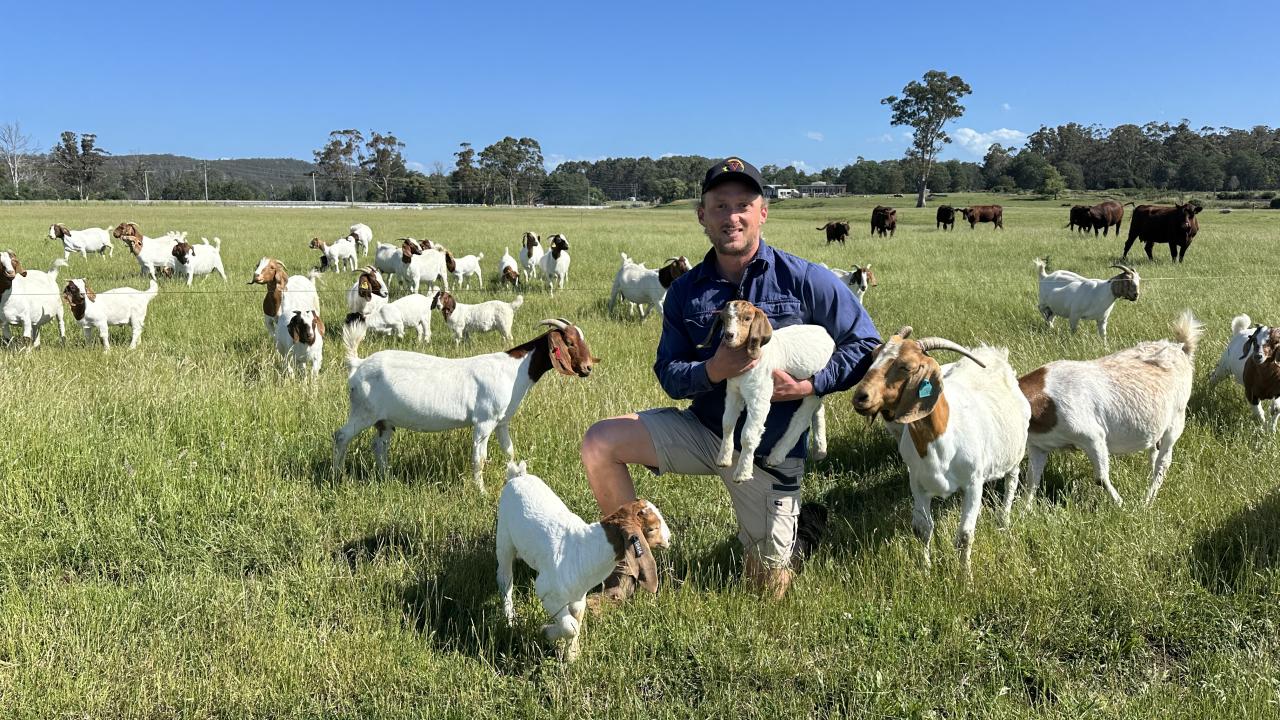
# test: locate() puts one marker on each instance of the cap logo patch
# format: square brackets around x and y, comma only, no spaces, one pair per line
[733,165]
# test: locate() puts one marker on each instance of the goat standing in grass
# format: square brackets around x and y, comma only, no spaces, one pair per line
[1080,298]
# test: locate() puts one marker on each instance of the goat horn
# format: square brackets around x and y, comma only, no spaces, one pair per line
[671,259]
[937,343]
[556,323]
[905,332]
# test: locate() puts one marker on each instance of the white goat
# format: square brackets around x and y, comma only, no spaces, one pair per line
[555,264]
[418,263]
[465,319]
[29,298]
[857,280]
[284,291]
[965,422]
[508,271]
[465,267]
[641,286]
[300,339]
[83,241]
[391,318]
[1261,376]
[369,290]
[1131,400]
[570,556]
[334,256]
[1079,298]
[399,389]
[118,306]
[530,255]
[800,350]
[361,235]
[152,254]
[1233,356]
[205,259]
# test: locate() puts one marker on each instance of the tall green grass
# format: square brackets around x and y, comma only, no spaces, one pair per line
[174,544]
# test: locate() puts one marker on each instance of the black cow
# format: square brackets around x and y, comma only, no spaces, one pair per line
[1079,218]
[1175,225]
[836,230]
[946,218]
[884,220]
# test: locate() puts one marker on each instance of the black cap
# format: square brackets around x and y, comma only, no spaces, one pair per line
[733,168]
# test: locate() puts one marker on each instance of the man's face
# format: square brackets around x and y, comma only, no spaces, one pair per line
[731,214]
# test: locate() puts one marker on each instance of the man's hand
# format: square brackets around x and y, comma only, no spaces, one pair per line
[728,363]
[786,387]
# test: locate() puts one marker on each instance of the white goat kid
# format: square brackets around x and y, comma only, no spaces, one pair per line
[300,340]
[965,425]
[466,267]
[399,389]
[369,291]
[641,286]
[391,318]
[799,350]
[1131,400]
[555,264]
[464,319]
[1079,298]
[29,298]
[118,306]
[423,262]
[530,255]
[570,556]
[1234,355]
[83,241]
[857,280]
[508,271]
[192,260]
[361,235]
[335,256]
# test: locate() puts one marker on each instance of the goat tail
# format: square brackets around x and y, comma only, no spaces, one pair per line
[59,263]
[353,330]
[1240,323]
[1187,330]
[1041,264]
[153,288]
[517,302]
[480,256]
[625,259]
[217,242]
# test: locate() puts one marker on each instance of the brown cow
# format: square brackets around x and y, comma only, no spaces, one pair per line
[946,218]
[1104,215]
[836,230]
[884,220]
[993,214]
[1175,225]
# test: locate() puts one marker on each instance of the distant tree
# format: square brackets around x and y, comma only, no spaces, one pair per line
[1051,183]
[466,179]
[340,159]
[78,162]
[16,149]
[668,189]
[1199,172]
[518,164]
[1072,174]
[1249,168]
[384,164]
[1028,169]
[927,107]
[995,163]
[420,188]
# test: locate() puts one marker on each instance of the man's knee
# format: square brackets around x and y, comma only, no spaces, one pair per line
[603,439]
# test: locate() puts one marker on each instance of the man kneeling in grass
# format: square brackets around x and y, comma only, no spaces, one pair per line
[790,291]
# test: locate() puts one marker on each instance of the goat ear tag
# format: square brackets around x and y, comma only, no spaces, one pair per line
[926,388]
[637,548]
[364,284]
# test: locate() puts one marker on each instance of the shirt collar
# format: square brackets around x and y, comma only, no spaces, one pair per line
[763,260]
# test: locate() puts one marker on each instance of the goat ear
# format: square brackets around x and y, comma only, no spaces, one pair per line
[319,327]
[89,293]
[760,333]
[715,326]
[920,393]
[645,566]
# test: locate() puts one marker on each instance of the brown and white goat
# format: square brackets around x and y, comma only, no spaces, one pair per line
[1262,373]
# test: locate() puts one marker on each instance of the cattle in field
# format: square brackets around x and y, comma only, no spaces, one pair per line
[884,220]
[946,218]
[1104,215]
[1175,225]
[993,214]
[836,230]
[1079,221]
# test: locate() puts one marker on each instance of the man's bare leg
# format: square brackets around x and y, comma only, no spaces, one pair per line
[607,449]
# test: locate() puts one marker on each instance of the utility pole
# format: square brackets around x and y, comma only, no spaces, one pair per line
[313,186]
[205,163]
[146,183]
[353,187]
[586,189]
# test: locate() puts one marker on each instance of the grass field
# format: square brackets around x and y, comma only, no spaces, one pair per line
[175,545]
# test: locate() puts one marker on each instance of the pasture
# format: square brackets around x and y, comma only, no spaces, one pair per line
[175,544]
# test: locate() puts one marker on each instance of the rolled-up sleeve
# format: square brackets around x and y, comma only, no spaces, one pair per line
[832,306]
[680,372]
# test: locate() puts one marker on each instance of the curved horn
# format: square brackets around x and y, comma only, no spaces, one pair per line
[937,343]
[905,332]
[671,259]
[1121,268]
[557,323]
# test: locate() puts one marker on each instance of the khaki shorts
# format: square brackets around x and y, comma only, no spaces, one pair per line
[767,506]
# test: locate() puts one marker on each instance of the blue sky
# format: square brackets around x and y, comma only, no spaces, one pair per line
[773,82]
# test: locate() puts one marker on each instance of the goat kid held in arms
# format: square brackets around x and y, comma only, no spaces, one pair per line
[772,526]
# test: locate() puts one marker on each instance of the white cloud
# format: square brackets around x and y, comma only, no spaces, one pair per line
[800,165]
[977,143]
[412,165]
[1005,106]
[552,160]
[814,135]
[886,138]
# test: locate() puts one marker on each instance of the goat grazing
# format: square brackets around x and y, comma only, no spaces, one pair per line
[641,286]
[555,264]
[1131,400]
[361,235]
[1064,293]
[29,298]
[966,425]
[399,389]
[570,556]
[118,306]
[799,350]
[190,261]
[482,317]
[1261,376]
[508,271]
[334,256]
[83,241]
[530,255]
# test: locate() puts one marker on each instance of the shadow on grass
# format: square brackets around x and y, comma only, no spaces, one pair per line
[1231,558]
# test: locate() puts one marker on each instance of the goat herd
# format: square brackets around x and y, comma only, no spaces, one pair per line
[958,425]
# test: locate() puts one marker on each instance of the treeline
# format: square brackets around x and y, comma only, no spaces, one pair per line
[351,167]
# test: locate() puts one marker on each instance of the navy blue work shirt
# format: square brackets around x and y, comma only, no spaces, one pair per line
[791,291]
